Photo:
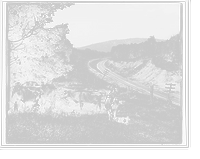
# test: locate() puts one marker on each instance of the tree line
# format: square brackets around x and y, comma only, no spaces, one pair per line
[162,53]
[86,53]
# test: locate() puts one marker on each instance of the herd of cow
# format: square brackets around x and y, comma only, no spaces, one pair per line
[31,91]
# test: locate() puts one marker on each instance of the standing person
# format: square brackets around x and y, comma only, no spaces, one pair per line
[81,100]
[99,98]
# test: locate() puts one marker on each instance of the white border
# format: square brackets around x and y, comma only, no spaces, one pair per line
[116,146]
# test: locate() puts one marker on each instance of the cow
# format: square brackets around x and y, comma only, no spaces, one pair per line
[111,105]
[47,88]
[112,89]
[115,90]
[30,84]
[82,97]
[24,95]
[108,106]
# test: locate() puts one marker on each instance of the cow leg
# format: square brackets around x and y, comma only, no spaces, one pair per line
[109,115]
[36,106]
[81,105]
[114,114]
[15,107]
[80,100]
[99,104]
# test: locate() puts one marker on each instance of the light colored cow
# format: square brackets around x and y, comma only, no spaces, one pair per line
[48,95]
[108,106]
[111,106]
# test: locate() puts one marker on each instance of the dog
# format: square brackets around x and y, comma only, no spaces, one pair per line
[123,120]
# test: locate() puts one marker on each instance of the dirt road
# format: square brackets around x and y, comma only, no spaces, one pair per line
[97,66]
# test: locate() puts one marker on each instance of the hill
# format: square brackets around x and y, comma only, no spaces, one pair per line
[107,45]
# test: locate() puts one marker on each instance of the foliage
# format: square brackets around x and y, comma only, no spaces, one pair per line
[88,53]
[53,67]
[30,43]
[65,49]
[74,58]
[164,54]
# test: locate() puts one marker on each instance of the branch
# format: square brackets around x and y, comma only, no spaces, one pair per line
[30,32]
[17,46]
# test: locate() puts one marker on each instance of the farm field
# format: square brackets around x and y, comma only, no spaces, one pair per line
[157,124]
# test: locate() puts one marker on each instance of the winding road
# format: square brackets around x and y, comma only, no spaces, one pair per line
[98,67]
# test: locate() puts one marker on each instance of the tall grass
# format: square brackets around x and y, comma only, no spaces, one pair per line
[160,124]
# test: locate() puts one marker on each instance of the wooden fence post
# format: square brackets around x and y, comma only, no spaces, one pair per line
[170,91]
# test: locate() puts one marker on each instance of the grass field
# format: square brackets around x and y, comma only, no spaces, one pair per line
[157,124]
[148,125]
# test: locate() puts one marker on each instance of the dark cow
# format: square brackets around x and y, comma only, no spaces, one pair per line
[24,95]
[47,88]
[82,97]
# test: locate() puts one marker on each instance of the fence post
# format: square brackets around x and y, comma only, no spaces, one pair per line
[151,95]
[170,87]
[127,91]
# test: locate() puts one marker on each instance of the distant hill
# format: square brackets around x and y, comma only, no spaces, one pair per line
[107,45]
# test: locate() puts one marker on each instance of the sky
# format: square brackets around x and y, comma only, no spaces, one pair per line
[92,23]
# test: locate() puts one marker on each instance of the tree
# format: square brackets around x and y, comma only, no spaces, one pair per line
[74,58]
[36,53]
[169,51]
[151,47]
[65,47]
[24,19]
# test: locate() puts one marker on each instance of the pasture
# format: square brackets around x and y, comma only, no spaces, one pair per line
[149,124]
[159,124]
